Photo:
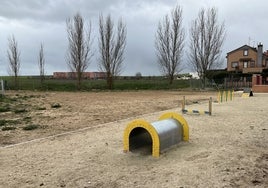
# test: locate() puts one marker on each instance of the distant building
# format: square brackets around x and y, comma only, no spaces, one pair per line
[247,59]
[85,75]
[248,67]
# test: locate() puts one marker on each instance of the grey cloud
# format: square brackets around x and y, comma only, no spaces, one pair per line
[35,21]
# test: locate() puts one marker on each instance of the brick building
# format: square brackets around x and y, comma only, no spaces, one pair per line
[247,59]
[86,75]
[251,64]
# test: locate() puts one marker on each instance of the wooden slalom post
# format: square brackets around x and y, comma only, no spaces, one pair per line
[209,112]
[183,104]
[210,106]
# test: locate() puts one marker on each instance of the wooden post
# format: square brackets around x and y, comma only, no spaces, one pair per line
[2,87]
[210,106]
[183,104]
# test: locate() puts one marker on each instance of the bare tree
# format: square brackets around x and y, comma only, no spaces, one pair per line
[13,55]
[112,45]
[169,43]
[206,39]
[79,51]
[41,63]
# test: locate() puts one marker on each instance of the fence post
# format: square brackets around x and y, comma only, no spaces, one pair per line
[210,106]
[183,104]
[2,87]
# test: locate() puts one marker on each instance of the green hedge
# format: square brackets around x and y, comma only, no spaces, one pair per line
[153,83]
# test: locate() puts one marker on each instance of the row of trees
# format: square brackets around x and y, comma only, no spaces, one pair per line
[206,39]
[13,55]
[111,46]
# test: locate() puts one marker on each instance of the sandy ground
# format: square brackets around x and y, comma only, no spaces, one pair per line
[227,149]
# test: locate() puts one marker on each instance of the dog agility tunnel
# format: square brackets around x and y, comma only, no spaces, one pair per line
[169,130]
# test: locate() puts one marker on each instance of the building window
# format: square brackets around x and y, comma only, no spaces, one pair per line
[252,64]
[234,64]
[245,52]
[245,64]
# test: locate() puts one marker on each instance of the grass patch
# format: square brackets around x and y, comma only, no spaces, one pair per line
[41,108]
[27,119]
[120,83]
[2,97]
[5,108]
[18,111]
[3,122]
[8,128]
[31,127]
[6,99]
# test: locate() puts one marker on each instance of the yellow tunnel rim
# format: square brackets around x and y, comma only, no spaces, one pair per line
[148,127]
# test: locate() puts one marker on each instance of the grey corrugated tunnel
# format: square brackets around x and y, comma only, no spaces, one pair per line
[170,129]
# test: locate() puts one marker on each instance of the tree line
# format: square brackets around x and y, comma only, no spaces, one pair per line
[206,34]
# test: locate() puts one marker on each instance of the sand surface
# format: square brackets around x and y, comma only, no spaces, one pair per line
[227,149]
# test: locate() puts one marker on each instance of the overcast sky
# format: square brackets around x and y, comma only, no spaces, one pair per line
[36,21]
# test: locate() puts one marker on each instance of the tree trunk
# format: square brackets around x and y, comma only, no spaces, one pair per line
[203,82]
[110,82]
[79,78]
[171,78]
[16,86]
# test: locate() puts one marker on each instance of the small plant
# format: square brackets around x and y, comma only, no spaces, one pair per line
[8,128]
[55,105]
[2,122]
[41,108]
[18,111]
[13,99]
[2,97]
[27,119]
[4,109]
[30,127]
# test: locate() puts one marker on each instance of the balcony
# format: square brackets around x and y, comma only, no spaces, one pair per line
[252,70]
